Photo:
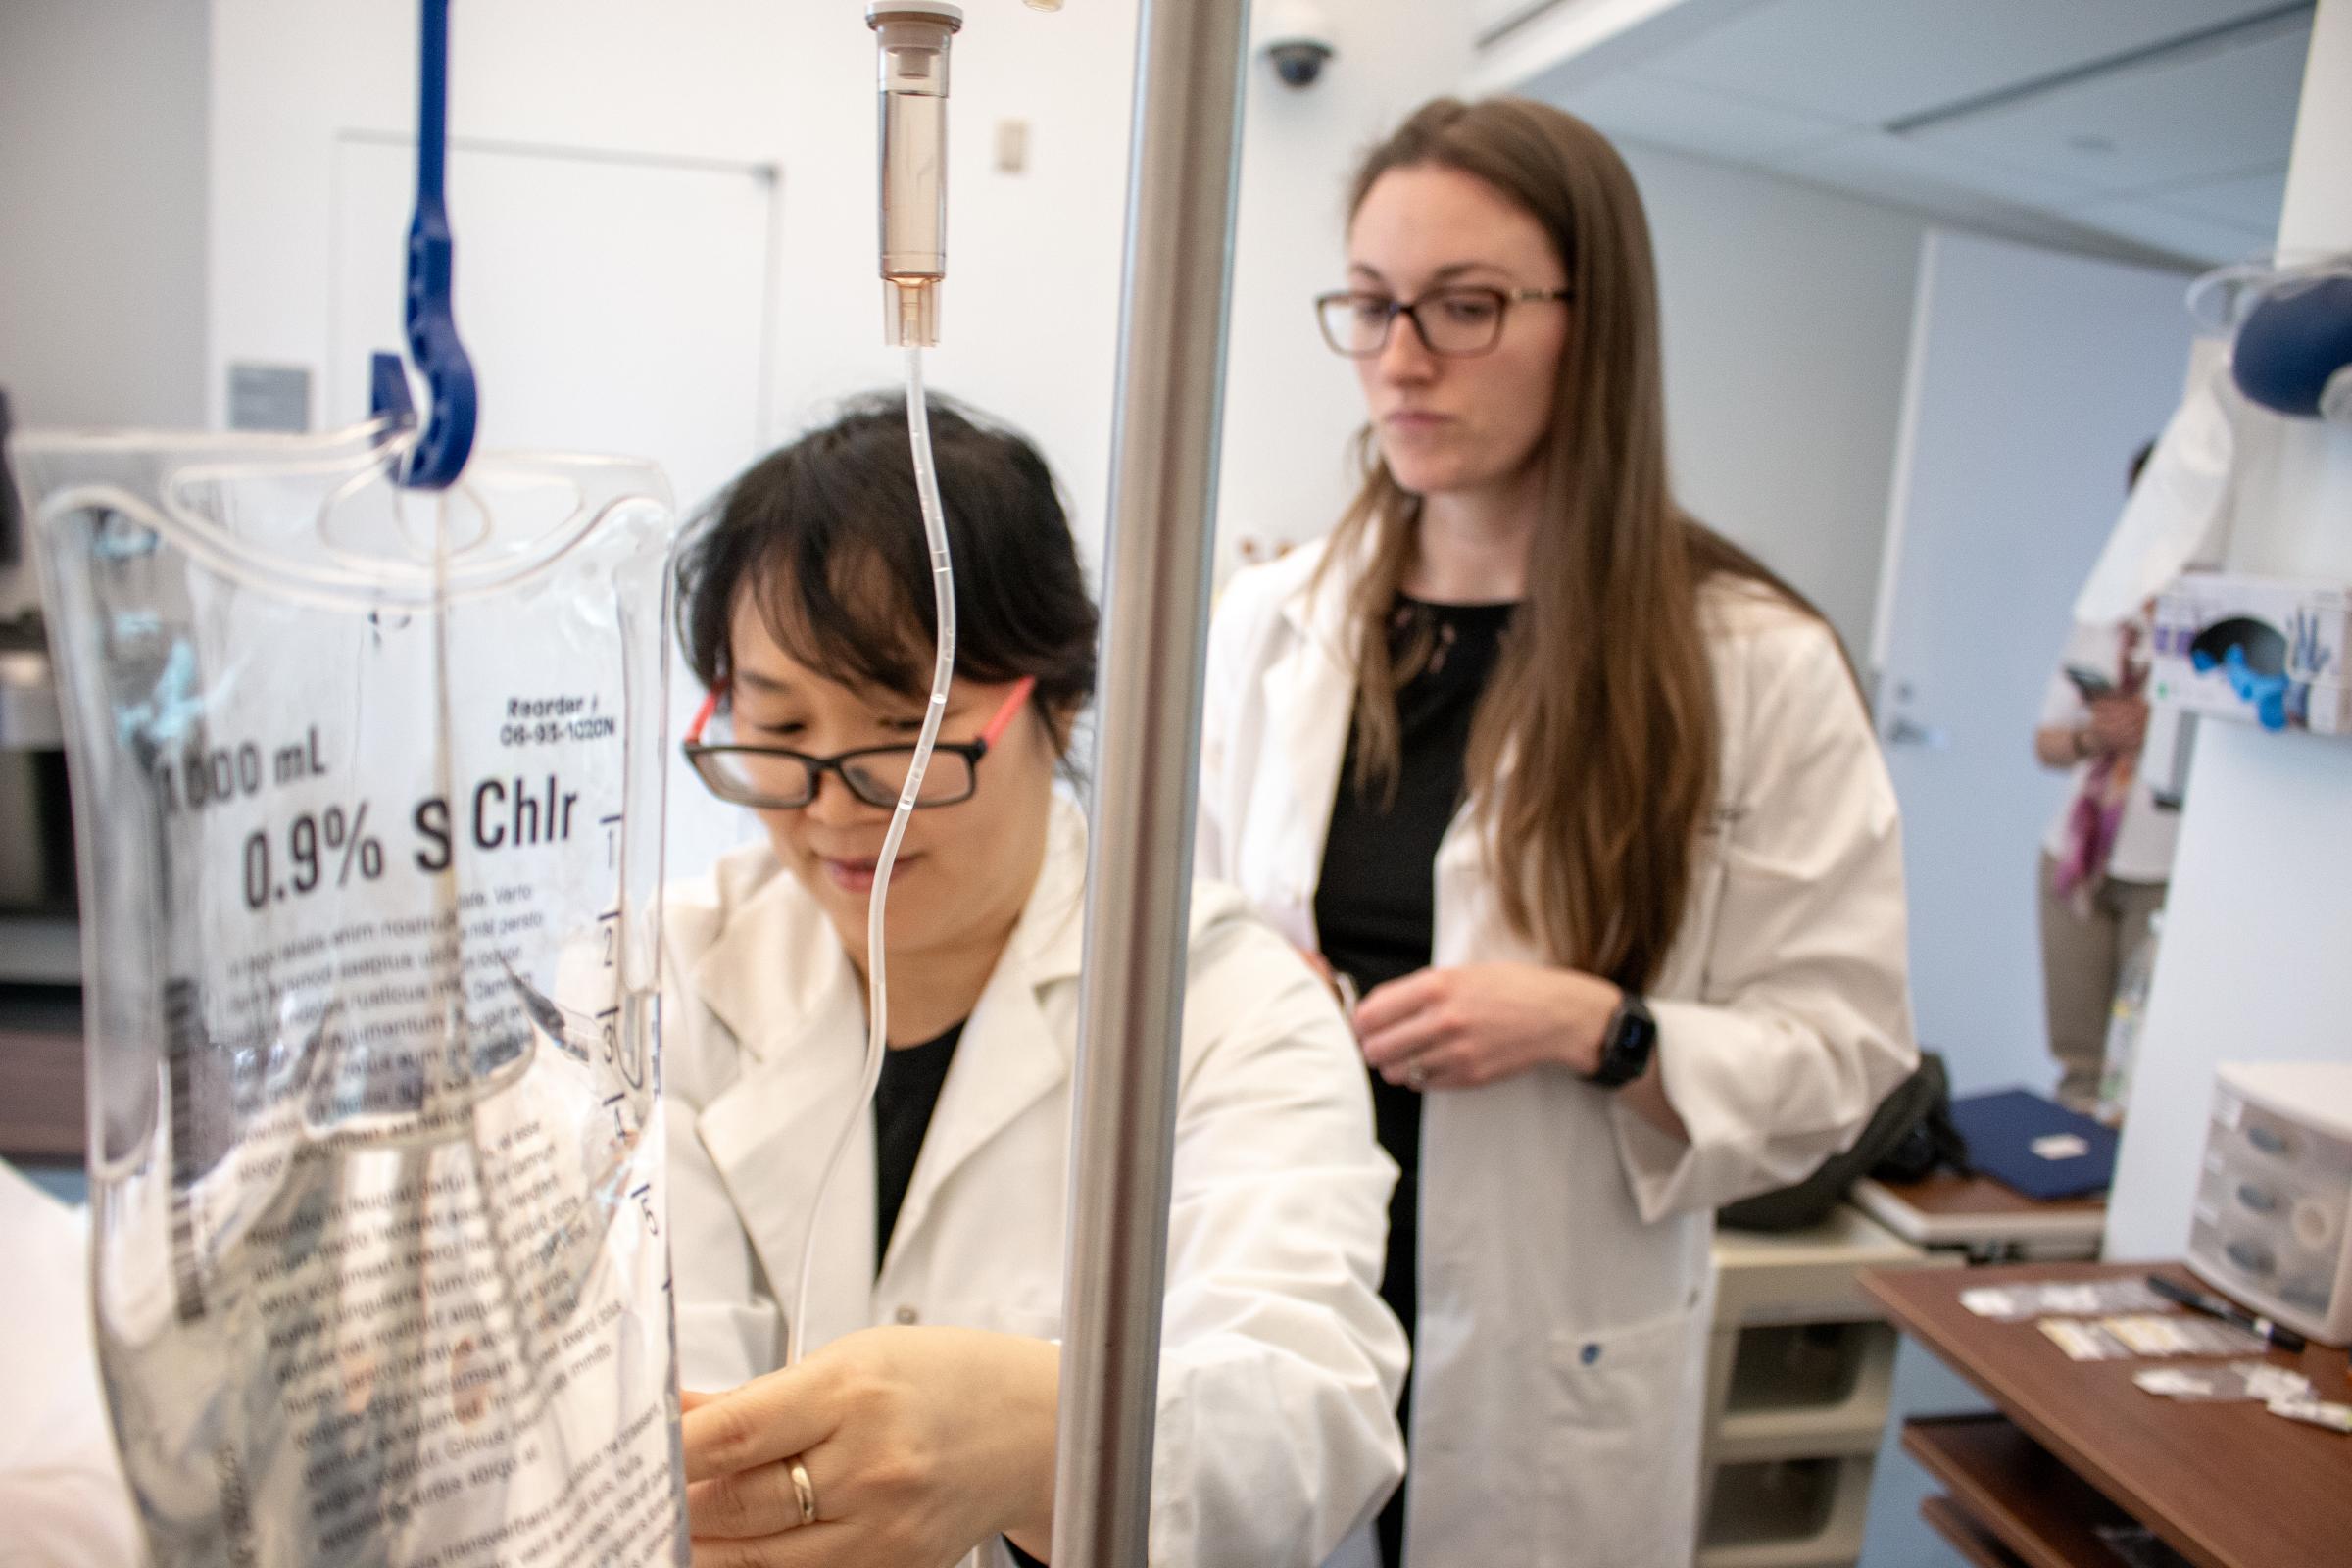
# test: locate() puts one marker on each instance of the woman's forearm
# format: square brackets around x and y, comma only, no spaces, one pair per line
[1033,1408]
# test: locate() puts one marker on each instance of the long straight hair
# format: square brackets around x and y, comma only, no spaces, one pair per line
[1594,750]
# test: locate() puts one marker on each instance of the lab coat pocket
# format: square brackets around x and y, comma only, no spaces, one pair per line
[1622,1478]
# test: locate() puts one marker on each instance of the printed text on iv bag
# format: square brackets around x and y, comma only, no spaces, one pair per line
[312,848]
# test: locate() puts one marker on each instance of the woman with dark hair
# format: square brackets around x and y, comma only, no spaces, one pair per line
[1583,802]
[921,1423]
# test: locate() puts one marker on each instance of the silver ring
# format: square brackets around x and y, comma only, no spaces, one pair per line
[804,1492]
[1416,1078]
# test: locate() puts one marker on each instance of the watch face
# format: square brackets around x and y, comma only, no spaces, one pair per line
[1625,1054]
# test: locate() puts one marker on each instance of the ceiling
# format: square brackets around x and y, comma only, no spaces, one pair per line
[2157,128]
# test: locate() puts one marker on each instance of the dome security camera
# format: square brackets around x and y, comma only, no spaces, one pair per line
[1298,40]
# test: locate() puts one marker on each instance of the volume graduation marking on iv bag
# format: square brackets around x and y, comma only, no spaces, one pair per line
[201,776]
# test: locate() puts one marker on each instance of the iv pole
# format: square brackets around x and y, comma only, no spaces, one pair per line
[1182,178]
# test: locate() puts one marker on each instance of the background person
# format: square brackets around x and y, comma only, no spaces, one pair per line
[2107,858]
[1586,802]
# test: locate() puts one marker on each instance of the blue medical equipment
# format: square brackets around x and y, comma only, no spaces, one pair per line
[431,328]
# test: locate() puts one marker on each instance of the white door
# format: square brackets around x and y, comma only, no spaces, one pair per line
[2035,375]
[609,303]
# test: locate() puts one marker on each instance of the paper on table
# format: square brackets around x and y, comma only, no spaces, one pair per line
[2013,1304]
[2260,1382]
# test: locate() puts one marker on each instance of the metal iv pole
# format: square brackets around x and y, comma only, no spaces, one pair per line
[1182,178]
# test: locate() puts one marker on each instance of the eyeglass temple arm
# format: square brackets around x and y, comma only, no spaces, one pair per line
[701,716]
[998,725]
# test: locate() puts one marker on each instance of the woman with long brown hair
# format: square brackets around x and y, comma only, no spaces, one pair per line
[1583,802]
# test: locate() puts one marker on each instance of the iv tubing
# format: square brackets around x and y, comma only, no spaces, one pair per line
[877,985]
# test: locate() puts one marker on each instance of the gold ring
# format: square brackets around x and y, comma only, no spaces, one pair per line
[804,1492]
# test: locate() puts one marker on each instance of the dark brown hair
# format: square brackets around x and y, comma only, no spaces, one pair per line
[1603,703]
[827,536]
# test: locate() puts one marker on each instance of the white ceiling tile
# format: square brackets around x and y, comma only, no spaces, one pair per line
[2180,154]
[1881,167]
[1713,124]
[2181,232]
[1874,61]
[2250,202]
[1932,173]
[2174,122]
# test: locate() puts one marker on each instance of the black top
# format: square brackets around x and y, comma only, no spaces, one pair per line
[904,1097]
[1376,901]
[903,1100]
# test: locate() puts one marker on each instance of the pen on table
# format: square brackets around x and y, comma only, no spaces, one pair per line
[2196,1300]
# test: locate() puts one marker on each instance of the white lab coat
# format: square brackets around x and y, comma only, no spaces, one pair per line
[1279,1365]
[1565,1270]
[62,1494]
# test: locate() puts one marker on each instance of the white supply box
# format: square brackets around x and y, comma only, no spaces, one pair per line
[2255,648]
[2276,1193]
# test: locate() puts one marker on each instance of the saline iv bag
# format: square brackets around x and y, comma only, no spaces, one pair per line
[367,794]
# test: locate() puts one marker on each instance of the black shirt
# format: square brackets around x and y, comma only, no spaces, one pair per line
[904,1101]
[905,1097]
[1376,901]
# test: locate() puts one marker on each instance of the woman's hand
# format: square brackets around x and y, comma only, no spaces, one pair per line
[2117,725]
[920,1444]
[1474,1024]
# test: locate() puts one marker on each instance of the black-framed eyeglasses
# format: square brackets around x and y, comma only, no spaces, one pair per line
[1455,321]
[777,778]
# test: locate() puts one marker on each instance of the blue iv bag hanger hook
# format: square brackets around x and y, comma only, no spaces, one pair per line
[441,451]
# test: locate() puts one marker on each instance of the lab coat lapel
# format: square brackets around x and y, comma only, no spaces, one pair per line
[781,984]
[1310,695]
[1011,1056]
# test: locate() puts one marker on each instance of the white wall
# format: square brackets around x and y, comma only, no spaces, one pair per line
[2259,923]
[1032,296]
[1292,405]
[1031,304]
[1786,314]
[1768,285]
[102,188]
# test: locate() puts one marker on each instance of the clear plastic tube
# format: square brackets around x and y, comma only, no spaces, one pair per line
[877,983]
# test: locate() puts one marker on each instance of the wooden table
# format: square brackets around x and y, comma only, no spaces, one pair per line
[1983,1217]
[2077,1443]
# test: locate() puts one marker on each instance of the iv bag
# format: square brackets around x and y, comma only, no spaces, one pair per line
[368,794]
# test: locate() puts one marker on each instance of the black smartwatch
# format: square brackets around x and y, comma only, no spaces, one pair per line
[1626,1046]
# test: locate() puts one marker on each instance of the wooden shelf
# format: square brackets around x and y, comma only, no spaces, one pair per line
[2225,1485]
[2011,1486]
[1968,1538]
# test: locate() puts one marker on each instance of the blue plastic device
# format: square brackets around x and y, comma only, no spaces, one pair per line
[440,454]
[2295,343]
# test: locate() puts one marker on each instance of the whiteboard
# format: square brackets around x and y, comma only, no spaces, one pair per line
[611,303]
